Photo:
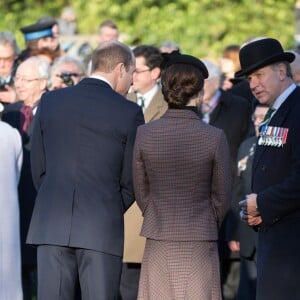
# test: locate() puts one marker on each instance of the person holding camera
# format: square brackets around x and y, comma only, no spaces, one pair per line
[66,71]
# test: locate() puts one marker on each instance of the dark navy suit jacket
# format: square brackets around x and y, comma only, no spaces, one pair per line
[276,180]
[81,162]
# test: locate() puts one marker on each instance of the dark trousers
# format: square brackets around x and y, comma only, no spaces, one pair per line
[29,282]
[60,267]
[248,275]
[230,277]
[130,281]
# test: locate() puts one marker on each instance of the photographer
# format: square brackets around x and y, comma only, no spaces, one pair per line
[66,71]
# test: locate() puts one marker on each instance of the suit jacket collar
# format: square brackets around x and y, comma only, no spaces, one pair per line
[181,114]
[94,82]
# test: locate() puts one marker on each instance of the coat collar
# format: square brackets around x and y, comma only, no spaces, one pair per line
[181,113]
[93,81]
[155,106]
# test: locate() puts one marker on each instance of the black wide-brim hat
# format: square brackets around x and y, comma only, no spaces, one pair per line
[176,57]
[261,53]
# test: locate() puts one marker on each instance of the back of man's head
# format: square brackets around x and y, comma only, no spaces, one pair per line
[109,54]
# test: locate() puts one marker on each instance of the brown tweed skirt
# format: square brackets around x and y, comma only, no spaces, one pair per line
[180,271]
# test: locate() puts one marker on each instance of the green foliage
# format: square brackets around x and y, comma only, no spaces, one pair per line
[201,28]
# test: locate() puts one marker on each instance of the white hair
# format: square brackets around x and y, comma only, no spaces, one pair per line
[214,71]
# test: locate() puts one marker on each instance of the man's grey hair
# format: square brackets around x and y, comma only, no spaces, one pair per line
[287,65]
[7,38]
[68,60]
[43,69]
[214,71]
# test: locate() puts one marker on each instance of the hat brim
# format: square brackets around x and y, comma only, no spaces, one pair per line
[286,56]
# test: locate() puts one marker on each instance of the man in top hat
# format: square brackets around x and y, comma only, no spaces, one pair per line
[274,206]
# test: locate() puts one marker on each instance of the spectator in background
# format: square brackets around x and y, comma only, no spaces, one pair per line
[66,71]
[10,255]
[40,39]
[229,64]
[245,235]
[31,81]
[232,114]
[295,66]
[107,31]
[168,47]
[67,22]
[147,93]
[8,54]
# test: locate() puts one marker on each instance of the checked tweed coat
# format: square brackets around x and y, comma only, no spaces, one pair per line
[182,184]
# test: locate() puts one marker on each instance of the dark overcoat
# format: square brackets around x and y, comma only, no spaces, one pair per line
[276,180]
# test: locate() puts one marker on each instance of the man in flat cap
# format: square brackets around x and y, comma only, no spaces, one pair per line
[274,206]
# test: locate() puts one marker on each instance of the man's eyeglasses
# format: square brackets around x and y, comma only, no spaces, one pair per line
[25,80]
[141,71]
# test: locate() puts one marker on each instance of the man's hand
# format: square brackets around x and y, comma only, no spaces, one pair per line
[8,96]
[249,212]
[234,246]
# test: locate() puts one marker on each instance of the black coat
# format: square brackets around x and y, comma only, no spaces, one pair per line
[276,180]
[82,167]
[232,114]
[27,192]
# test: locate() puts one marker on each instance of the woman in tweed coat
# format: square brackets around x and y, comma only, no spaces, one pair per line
[182,183]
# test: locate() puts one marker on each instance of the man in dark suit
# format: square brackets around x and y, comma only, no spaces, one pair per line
[30,83]
[274,205]
[147,93]
[232,114]
[82,168]
[246,236]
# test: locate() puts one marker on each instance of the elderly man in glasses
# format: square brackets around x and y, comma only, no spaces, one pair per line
[31,81]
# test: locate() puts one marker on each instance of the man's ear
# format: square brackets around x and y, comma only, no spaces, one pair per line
[119,69]
[155,73]
[122,69]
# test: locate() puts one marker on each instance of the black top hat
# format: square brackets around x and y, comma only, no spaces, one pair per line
[177,58]
[38,30]
[261,53]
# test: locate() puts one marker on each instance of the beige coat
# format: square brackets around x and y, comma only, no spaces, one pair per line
[134,244]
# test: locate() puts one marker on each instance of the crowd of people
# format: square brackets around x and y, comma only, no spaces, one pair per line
[145,173]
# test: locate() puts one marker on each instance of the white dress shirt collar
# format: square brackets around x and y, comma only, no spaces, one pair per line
[148,96]
[96,76]
[283,96]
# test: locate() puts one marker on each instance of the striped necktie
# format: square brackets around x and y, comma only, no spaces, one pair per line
[142,101]
[267,118]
